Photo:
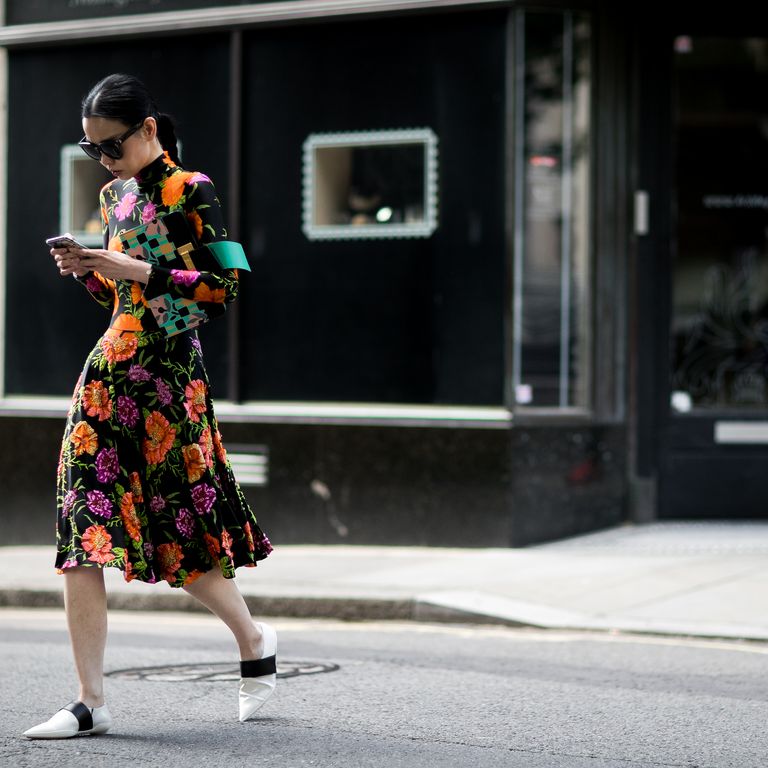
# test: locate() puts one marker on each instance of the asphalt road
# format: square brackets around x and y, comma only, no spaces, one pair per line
[403,695]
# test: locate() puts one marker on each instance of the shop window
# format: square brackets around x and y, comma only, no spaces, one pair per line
[370,185]
[81,180]
[552,301]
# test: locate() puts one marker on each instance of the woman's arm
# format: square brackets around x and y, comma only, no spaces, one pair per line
[99,286]
[213,290]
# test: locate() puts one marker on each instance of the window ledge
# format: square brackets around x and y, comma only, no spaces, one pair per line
[364,414]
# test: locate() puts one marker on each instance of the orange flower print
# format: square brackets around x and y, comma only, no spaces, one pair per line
[115,244]
[213,545]
[128,573]
[226,542]
[206,446]
[97,541]
[84,438]
[196,222]
[221,452]
[214,296]
[169,557]
[195,393]
[174,187]
[194,462]
[118,346]
[126,322]
[249,536]
[137,294]
[192,576]
[135,479]
[96,400]
[130,518]
[159,439]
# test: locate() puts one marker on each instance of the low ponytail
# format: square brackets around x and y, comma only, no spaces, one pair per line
[166,135]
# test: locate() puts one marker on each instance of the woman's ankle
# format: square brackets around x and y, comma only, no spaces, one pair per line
[254,649]
[92,700]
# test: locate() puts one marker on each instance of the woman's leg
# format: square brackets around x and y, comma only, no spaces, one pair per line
[85,601]
[222,597]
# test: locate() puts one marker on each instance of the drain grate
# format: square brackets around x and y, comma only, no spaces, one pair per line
[215,672]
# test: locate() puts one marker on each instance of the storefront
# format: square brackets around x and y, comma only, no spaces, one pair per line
[461,219]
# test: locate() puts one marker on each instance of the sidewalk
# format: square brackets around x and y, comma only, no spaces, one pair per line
[707,579]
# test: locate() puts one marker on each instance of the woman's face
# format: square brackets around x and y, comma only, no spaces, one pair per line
[139,149]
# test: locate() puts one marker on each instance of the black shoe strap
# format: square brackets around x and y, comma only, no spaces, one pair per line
[82,713]
[258,667]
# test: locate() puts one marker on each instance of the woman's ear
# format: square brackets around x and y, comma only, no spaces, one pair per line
[149,130]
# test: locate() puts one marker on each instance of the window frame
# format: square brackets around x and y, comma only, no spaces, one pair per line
[422,229]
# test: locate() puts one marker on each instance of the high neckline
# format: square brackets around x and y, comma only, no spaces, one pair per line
[150,174]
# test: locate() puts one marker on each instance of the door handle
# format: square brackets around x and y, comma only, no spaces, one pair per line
[641,212]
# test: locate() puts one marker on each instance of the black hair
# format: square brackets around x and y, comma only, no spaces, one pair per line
[127,99]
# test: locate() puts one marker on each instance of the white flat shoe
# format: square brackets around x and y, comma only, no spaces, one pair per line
[73,720]
[258,676]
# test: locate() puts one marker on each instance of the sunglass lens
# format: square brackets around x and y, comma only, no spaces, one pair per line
[110,149]
[91,150]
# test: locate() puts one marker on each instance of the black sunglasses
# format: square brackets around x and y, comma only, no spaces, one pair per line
[110,147]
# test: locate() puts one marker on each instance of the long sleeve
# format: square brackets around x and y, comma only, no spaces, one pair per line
[101,288]
[211,290]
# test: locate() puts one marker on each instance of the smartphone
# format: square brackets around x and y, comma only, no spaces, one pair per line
[64,241]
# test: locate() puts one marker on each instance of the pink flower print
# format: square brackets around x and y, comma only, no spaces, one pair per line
[197,177]
[107,466]
[157,503]
[99,504]
[203,497]
[163,392]
[127,411]
[148,213]
[185,523]
[137,373]
[93,284]
[125,207]
[184,276]
[69,502]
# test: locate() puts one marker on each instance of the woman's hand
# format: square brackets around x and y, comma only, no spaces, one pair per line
[112,264]
[68,262]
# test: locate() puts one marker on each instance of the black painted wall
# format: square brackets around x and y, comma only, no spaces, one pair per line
[52,323]
[416,320]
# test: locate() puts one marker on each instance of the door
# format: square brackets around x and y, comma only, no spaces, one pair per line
[713,413]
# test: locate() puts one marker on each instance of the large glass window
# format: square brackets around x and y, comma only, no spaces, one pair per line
[719,329]
[552,301]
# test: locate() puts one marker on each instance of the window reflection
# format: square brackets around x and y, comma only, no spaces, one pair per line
[719,324]
[552,329]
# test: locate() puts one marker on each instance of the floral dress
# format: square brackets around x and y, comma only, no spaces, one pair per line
[143,480]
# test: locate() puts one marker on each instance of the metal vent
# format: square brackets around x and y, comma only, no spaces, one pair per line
[250,463]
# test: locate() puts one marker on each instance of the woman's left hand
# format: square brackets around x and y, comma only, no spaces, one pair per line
[113,264]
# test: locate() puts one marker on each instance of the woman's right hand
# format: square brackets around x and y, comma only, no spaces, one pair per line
[67,262]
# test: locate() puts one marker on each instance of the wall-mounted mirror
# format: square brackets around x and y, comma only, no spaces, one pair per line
[371,184]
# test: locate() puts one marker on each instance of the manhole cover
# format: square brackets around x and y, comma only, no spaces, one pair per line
[214,672]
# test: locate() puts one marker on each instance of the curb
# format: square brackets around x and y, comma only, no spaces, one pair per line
[419,609]
[341,608]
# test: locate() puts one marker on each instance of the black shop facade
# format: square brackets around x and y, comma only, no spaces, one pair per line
[509,262]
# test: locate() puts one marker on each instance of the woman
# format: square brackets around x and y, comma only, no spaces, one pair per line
[143,479]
